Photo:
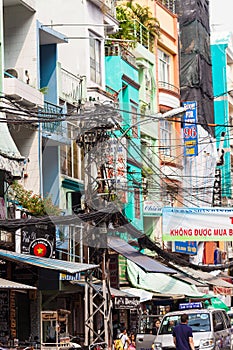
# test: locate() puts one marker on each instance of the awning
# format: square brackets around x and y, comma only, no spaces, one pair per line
[217,303]
[143,294]
[47,263]
[159,282]
[146,263]
[122,299]
[219,285]
[50,36]
[6,284]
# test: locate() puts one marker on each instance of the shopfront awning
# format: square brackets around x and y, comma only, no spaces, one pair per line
[219,285]
[146,263]
[143,294]
[6,284]
[159,283]
[47,263]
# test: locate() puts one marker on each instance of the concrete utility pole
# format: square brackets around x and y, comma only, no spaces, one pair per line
[94,131]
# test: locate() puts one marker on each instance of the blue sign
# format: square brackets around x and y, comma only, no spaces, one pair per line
[186,247]
[190,129]
[186,306]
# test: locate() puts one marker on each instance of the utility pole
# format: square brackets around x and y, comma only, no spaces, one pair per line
[94,132]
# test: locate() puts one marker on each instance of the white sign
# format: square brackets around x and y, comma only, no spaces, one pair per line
[197,224]
[151,209]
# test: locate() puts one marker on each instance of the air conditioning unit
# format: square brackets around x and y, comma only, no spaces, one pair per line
[19,73]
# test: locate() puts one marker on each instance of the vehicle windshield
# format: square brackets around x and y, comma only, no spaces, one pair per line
[199,322]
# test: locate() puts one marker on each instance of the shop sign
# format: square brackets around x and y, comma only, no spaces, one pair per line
[151,209]
[68,277]
[197,224]
[223,290]
[39,240]
[190,129]
[186,247]
[126,302]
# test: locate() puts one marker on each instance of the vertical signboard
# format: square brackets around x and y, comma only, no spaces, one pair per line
[190,129]
[117,167]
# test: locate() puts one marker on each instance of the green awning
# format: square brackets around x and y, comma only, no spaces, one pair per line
[160,282]
[216,303]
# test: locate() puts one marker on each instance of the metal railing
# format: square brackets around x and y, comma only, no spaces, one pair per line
[52,111]
[169,4]
[119,50]
[72,88]
[168,86]
[143,36]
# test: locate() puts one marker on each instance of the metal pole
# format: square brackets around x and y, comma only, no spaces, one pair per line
[105,296]
[86,313]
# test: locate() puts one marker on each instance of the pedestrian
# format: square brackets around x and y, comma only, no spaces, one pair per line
[124,338]
[155,327]
[183,335]
[132,342]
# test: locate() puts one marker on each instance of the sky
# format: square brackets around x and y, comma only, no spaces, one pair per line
[221,15]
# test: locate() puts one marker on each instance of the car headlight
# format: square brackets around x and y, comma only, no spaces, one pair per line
[157,346]
[206,343]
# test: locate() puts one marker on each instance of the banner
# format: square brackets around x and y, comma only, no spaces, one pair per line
[197,224]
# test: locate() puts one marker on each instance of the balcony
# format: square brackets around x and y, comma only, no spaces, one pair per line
[169,4]
[143,36]
[106,5]
[119,50]
[169,95]
[21,92]
[52,111]
[72,88]
[28,4]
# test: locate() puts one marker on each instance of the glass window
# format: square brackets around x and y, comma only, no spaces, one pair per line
[71,157]
[95,58]
[165,137]
[164,66]
[199,322]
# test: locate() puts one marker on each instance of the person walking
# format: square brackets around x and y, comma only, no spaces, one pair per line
[124,338]
[183,335]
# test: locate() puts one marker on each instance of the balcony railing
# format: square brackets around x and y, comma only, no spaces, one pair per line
[168,86]
[72,88]
[169,4]
[119,50]
[143,36]
[52,111]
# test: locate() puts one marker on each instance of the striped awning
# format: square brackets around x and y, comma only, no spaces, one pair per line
[47,263]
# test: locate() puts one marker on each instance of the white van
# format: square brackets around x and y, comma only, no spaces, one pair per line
[211,329]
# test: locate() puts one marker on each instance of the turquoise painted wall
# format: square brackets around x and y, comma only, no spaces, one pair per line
[221,111]
[116,70]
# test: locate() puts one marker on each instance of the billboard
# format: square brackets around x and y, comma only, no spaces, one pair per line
[190,129]
[197,224]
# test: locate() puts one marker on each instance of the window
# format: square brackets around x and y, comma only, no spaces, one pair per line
[137,203]
[164,66]
[71,157]
[165,137]
[95,58]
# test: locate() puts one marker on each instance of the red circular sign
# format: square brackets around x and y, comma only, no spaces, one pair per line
[41,247]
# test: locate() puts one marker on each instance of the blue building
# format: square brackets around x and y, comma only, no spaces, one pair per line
[222,59]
